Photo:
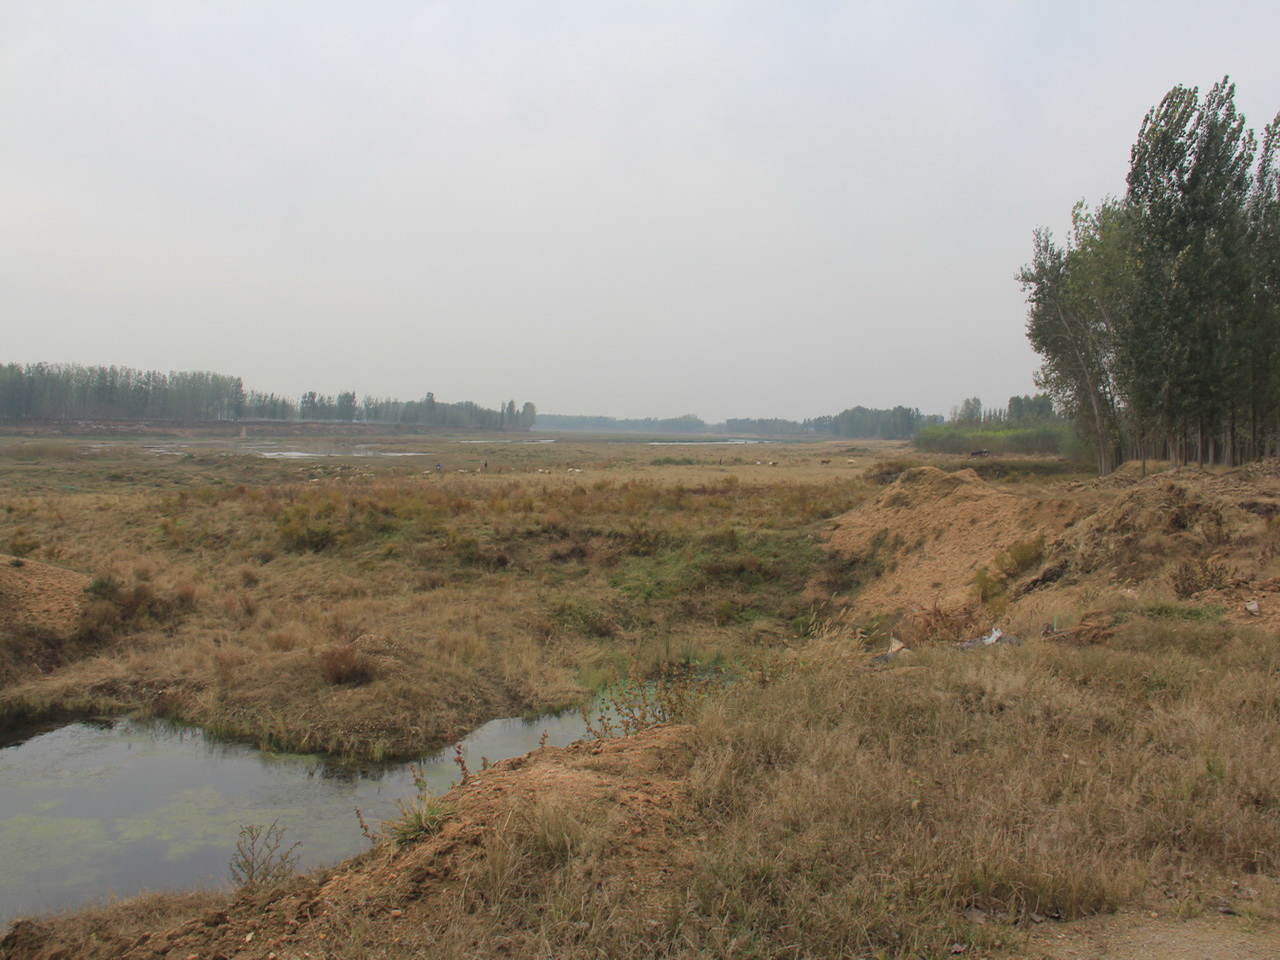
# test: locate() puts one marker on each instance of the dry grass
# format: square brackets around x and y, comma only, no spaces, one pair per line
[231,588]
[865,812]
[831,810]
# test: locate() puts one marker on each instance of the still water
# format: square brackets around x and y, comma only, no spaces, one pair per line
[102,809]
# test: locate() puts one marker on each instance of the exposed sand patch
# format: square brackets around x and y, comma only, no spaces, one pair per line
[932,531]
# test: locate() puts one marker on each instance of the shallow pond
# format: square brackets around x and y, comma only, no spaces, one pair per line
[103,809]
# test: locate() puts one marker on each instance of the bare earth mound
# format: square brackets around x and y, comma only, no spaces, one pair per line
[922,542]
[930,531]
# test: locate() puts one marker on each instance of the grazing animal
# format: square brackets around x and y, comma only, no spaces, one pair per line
[826,461]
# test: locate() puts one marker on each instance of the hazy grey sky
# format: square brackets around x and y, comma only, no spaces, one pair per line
[634,209]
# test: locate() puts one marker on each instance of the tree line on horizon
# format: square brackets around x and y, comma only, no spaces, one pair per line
[1158,320]
[44,391]
[69,391]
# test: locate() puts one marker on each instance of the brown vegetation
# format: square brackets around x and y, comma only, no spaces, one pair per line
[949,802]
[234,591]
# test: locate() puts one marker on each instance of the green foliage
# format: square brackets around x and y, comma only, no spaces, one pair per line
[1053,439]
[989,588]
[1189,612]
[104,587]
[1021,556]
[863,422]
[261,858]
[421,815]
[638,703]
[1157,321]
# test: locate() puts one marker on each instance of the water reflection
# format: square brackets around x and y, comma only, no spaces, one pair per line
[105,808]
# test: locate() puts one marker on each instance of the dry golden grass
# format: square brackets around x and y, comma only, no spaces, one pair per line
[814,808]
[236,580]
[827,809]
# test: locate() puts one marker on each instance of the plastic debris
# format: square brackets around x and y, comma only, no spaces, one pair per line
[995,636]
[896,647]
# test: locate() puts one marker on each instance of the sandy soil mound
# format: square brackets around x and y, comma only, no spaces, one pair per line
[930,531]
[922,541]
[36,595]
[1161,517]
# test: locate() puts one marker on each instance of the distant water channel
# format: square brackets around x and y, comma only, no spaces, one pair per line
[101,809]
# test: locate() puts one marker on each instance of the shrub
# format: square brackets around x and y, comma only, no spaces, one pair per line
[261,858]
[104,587]
[1192,576]
[344,663]
[637,704]
[419,816]
[1021,556]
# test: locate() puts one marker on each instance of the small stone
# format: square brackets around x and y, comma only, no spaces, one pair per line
[397,914]
[1037,918]
[1253,608]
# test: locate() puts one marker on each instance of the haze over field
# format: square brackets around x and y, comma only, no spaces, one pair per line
[773,210]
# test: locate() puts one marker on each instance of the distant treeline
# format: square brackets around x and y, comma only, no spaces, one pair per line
[45,391]
[1025,425]
[589,424]
[900,423]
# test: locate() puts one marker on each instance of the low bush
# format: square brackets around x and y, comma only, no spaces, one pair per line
[344,664]
[1056,439]
[261,858]
[1192,576]
[421,815]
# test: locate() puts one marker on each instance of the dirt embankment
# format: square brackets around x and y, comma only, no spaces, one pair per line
[930,537]
[924,538]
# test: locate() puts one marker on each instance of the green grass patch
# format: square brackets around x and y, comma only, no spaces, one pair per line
[1186,612]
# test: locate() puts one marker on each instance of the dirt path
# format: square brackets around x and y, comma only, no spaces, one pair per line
[1137,935]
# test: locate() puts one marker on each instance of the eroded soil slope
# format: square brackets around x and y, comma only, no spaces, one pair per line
[1175,536]
[38,595]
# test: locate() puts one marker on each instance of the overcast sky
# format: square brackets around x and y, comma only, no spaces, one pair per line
[732,209]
